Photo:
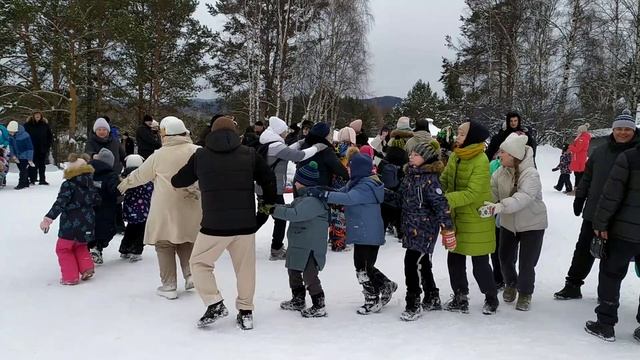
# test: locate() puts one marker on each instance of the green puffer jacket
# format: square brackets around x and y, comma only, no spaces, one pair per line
[467,186]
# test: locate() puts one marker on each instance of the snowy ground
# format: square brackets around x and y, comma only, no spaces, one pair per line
[117,315]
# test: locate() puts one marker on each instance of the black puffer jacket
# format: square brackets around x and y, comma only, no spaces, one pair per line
[95,144]
[619,207]
[502,135]
[148,141]
[226,170]
[597,171]
[327,160]
[106,180]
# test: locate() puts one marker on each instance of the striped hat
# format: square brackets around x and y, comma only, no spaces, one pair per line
[430,151]
[308,175]
[624,120]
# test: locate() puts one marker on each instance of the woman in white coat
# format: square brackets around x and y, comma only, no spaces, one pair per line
[517,192]
[174,214]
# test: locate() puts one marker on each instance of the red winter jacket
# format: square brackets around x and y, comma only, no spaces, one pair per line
[579,152]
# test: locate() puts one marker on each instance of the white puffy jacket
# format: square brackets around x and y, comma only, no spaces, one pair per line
[524,210]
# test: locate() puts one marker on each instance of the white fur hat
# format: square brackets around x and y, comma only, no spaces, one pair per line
[173,126]
[515,145]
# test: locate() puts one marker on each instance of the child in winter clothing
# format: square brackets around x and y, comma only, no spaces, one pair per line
[346,148]
[136,210]
[106,181]
[565,172]
[362,197]
[76,200]
[425,212]
[517,195]
[4,167]
[306,255]
[21,152]
[494,165]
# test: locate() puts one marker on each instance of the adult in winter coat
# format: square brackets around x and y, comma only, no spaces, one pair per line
[42,138]
[174,215]
[75,203]
[361,198]
[513,123]
[617,222]
[361,136]
[421,134]
[129,144]
[624,137]
[102,139]
[467,185]
[307,235]
[106,180]
[517,196]
[21,149]
[579,149]
[278,157]
[148,140]
[379,144]
[329,166]
[226,172]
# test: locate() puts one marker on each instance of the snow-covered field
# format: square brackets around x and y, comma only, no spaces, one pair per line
[117,315]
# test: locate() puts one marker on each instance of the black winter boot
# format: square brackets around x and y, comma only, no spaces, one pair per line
[297,301]
[387,291]
[459,302]
[431,301]
[490,305]
[636,334]
[245,319]
[568,292]
[603,331]
[213,313]
[412,310]
[317,309]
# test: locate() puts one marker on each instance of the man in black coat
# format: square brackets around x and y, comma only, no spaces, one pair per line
[513,123]
[617,222]
[328,163]
[148,140]
[42,138]
[226,171]
[588,194]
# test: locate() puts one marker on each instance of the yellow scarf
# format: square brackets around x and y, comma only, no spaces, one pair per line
[470,151]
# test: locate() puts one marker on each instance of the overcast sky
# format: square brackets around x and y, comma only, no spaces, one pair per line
[406,42]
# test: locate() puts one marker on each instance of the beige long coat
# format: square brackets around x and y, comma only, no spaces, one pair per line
[174,214]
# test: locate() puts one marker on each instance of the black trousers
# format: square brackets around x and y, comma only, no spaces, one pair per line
[457,265]
[307,278]
[578,176]
[564,181]
[364,259]
[582,260]
[613,269]
[133,240]
[418,271]
[495,261]
[279,226]
[23,175]
[530,246]
[40,162]
[391,216]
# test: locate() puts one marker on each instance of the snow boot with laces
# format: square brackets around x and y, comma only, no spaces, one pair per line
[431,301]
[213,313]
[297,302]
[459,302]
[412,310]
[317,309]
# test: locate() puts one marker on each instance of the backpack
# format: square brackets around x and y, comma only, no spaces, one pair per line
[388,173]
[263,150]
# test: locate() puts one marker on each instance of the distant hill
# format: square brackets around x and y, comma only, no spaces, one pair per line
[384,102]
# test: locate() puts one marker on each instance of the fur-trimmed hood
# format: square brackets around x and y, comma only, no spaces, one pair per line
[436,167]
[77,171]
[407,134]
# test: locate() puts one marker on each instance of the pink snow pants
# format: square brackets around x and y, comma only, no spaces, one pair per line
[74,259]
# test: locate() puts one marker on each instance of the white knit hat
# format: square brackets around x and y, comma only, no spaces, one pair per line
[101,123]
[173,126]
[134,160]
[13,126]
[278,125]
[403,123]
[515,145]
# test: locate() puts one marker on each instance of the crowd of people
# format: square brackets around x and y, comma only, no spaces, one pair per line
[480,194]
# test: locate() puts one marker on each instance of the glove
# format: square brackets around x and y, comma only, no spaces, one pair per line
[266,209]
[489,209]
[45,224]
[320,146]
[578,205]
[449,239]
[555,169]
[318,193]
[32,164]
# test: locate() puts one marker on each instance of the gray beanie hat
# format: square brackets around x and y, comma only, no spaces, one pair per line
[106,156]
[624,120]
